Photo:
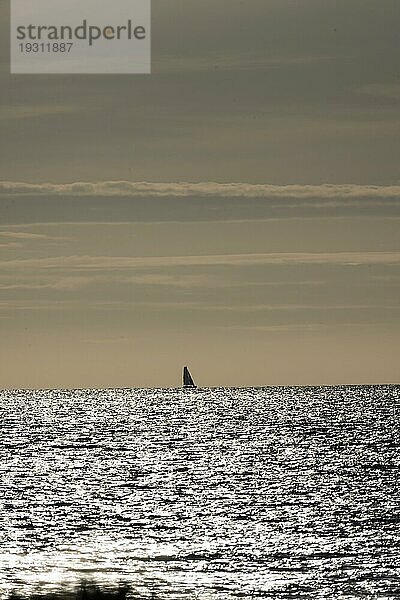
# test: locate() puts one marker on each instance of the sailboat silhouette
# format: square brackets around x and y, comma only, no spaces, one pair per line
[187,379]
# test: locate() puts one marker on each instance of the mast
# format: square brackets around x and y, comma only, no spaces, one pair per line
[187,379]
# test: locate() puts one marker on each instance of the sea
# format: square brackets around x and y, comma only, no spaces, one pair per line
[208,494]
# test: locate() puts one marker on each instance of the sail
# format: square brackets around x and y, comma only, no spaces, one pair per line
[187,378]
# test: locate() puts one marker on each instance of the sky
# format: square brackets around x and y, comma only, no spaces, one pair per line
[237,210]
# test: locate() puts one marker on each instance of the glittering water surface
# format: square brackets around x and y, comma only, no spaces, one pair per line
[209,494]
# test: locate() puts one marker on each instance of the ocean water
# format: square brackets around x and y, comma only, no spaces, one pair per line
[208,494]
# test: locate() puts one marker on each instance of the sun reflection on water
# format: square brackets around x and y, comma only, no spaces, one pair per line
[275,492]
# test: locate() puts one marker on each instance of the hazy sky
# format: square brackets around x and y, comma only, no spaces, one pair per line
[284,269]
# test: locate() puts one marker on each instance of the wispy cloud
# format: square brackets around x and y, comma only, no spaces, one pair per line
[10,245]
[8,113]
[104,263]
[162,279]
[63,283]
[26,235]
[60,305]
[248,62]
[262,308]
[19,239]
[53,280]
[206,189]
[186,305]
[185,280]
[389,91]
[107,340]
[303,327]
